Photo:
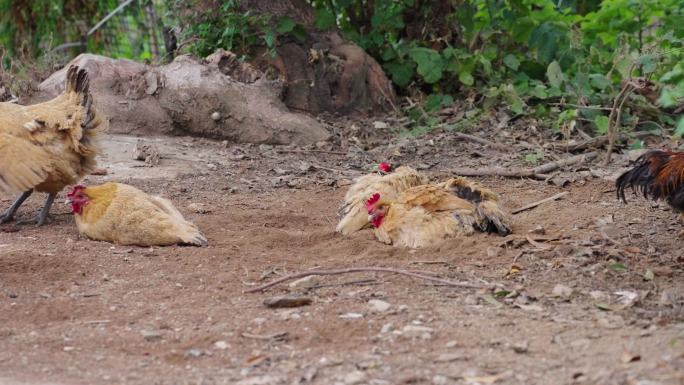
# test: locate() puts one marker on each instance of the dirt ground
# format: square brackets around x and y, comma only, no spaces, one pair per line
[586,290]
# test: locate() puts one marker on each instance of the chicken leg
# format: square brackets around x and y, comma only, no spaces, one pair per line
[8,215]
[43,214]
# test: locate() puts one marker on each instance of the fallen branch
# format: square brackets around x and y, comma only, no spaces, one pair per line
[600,141]
[311,151]
[482,141]
[421,275]
[539,172]
[537,203]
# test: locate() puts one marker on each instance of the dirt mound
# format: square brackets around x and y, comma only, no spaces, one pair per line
[188,97]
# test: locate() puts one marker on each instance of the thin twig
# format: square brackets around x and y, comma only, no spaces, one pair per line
[311,151]
[613,124]
[421,275]
[482,141]
[600,141]
[582,107]
[540,172]
[537,203]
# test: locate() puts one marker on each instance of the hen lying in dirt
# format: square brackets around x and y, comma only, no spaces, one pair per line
[426,215]
[47,146]
[119,213]
[353,215]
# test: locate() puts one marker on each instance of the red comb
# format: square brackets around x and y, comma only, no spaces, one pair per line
[372,201]
[385,167]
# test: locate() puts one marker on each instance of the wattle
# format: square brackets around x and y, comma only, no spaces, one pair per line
[377,221]
[76,207]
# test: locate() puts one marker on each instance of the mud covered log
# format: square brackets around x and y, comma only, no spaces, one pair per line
[190,97]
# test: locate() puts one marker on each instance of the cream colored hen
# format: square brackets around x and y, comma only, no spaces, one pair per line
[426,215]
[123,214]
[47,146]
[353,214]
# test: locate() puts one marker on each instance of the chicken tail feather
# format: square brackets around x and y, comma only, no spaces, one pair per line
[645,177]
[78,81]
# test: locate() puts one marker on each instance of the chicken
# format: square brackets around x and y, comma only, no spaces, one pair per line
[47,146]
[122,214]
[657,175]
[425,215]
[353,214]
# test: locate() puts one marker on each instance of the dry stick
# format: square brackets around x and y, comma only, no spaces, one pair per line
[482,141]
[537,172]
[420,275]
[600,141]
[613,125]
[551,166]
[311,151]
[535,204]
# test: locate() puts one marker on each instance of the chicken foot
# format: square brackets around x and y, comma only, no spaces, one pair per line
[8,215]
[45,211]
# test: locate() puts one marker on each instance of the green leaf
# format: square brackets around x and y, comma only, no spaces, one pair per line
[324,19]
[269,38]
[599,81]
[648,63]
[401,73]
[601,123]
[285,25]
[648,275]
[668,97]
[511,62]
[679,131]
[555,74]
[604,306]
[466,78]
[617,266]
[430,63]
[437,101]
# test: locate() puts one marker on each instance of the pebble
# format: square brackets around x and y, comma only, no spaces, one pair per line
[193,353]
[521,347]
[423,332]
[287,301]
[216,116]
[599,295]
[198,208]
[449,357]
[355,377]
[151,335]
[266,379]
[493,251]
[562,291]
[351,316]
[379,306]
[221,345]
[306,282]
[386,328]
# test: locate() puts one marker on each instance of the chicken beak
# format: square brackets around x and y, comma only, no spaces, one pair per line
[67,201]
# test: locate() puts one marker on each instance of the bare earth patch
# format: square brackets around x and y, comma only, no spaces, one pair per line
[74,311]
